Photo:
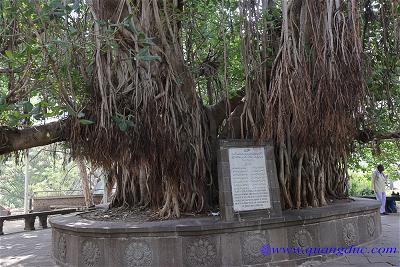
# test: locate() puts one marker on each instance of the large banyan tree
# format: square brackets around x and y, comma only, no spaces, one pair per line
[147,101]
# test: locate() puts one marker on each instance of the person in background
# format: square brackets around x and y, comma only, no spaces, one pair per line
[378,185]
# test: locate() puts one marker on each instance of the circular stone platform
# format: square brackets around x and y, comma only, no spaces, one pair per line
[211,242]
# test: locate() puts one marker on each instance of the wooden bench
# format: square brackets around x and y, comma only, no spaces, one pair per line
[31,217]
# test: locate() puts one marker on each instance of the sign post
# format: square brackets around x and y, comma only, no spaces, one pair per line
[247,180]
[26,187]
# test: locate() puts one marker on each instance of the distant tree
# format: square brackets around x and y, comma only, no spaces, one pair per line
[50,170]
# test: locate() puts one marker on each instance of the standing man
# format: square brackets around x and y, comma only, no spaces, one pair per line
[378,185]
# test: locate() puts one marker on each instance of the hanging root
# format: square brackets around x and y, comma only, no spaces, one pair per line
[149,121]
[171,204]
[142,185]
[313,96]
[281,176]
[298,181]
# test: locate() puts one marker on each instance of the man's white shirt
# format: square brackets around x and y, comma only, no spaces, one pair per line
[378,181]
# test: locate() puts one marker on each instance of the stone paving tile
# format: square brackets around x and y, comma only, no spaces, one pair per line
[11,227]
[26,249]
[356,259]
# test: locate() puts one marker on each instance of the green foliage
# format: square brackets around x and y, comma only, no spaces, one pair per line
[54,57]
[86,122]
[123,122]
[360,184]
[382,108]
[145,55]
[49,171]
[365,159]
[211,40]
[44,49]
[382,60]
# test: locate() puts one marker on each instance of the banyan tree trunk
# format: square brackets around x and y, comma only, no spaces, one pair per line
[85,182]
[310,102]
[150,126]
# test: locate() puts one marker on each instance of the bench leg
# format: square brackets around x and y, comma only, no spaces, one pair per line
[43,221]
[30,223]
[1,227]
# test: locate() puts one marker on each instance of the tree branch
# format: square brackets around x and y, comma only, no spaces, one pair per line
[8,70]
[366,136]
[18,42]
[219,110]
[13,139]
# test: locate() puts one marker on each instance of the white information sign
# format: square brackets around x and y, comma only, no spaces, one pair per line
[249,180]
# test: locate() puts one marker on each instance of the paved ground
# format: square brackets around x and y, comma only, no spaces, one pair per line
[390,239]
[30,249]
[33,249]
[11,227]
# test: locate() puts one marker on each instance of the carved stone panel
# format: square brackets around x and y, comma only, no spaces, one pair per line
[252,245]
[350,234]
[90,253]
[61,248]
[371,226]
[200,252]
[138,253]
[302,239]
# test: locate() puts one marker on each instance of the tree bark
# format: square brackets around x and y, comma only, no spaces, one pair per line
[85,182]
[366,136]
[13,139]
[220,110]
